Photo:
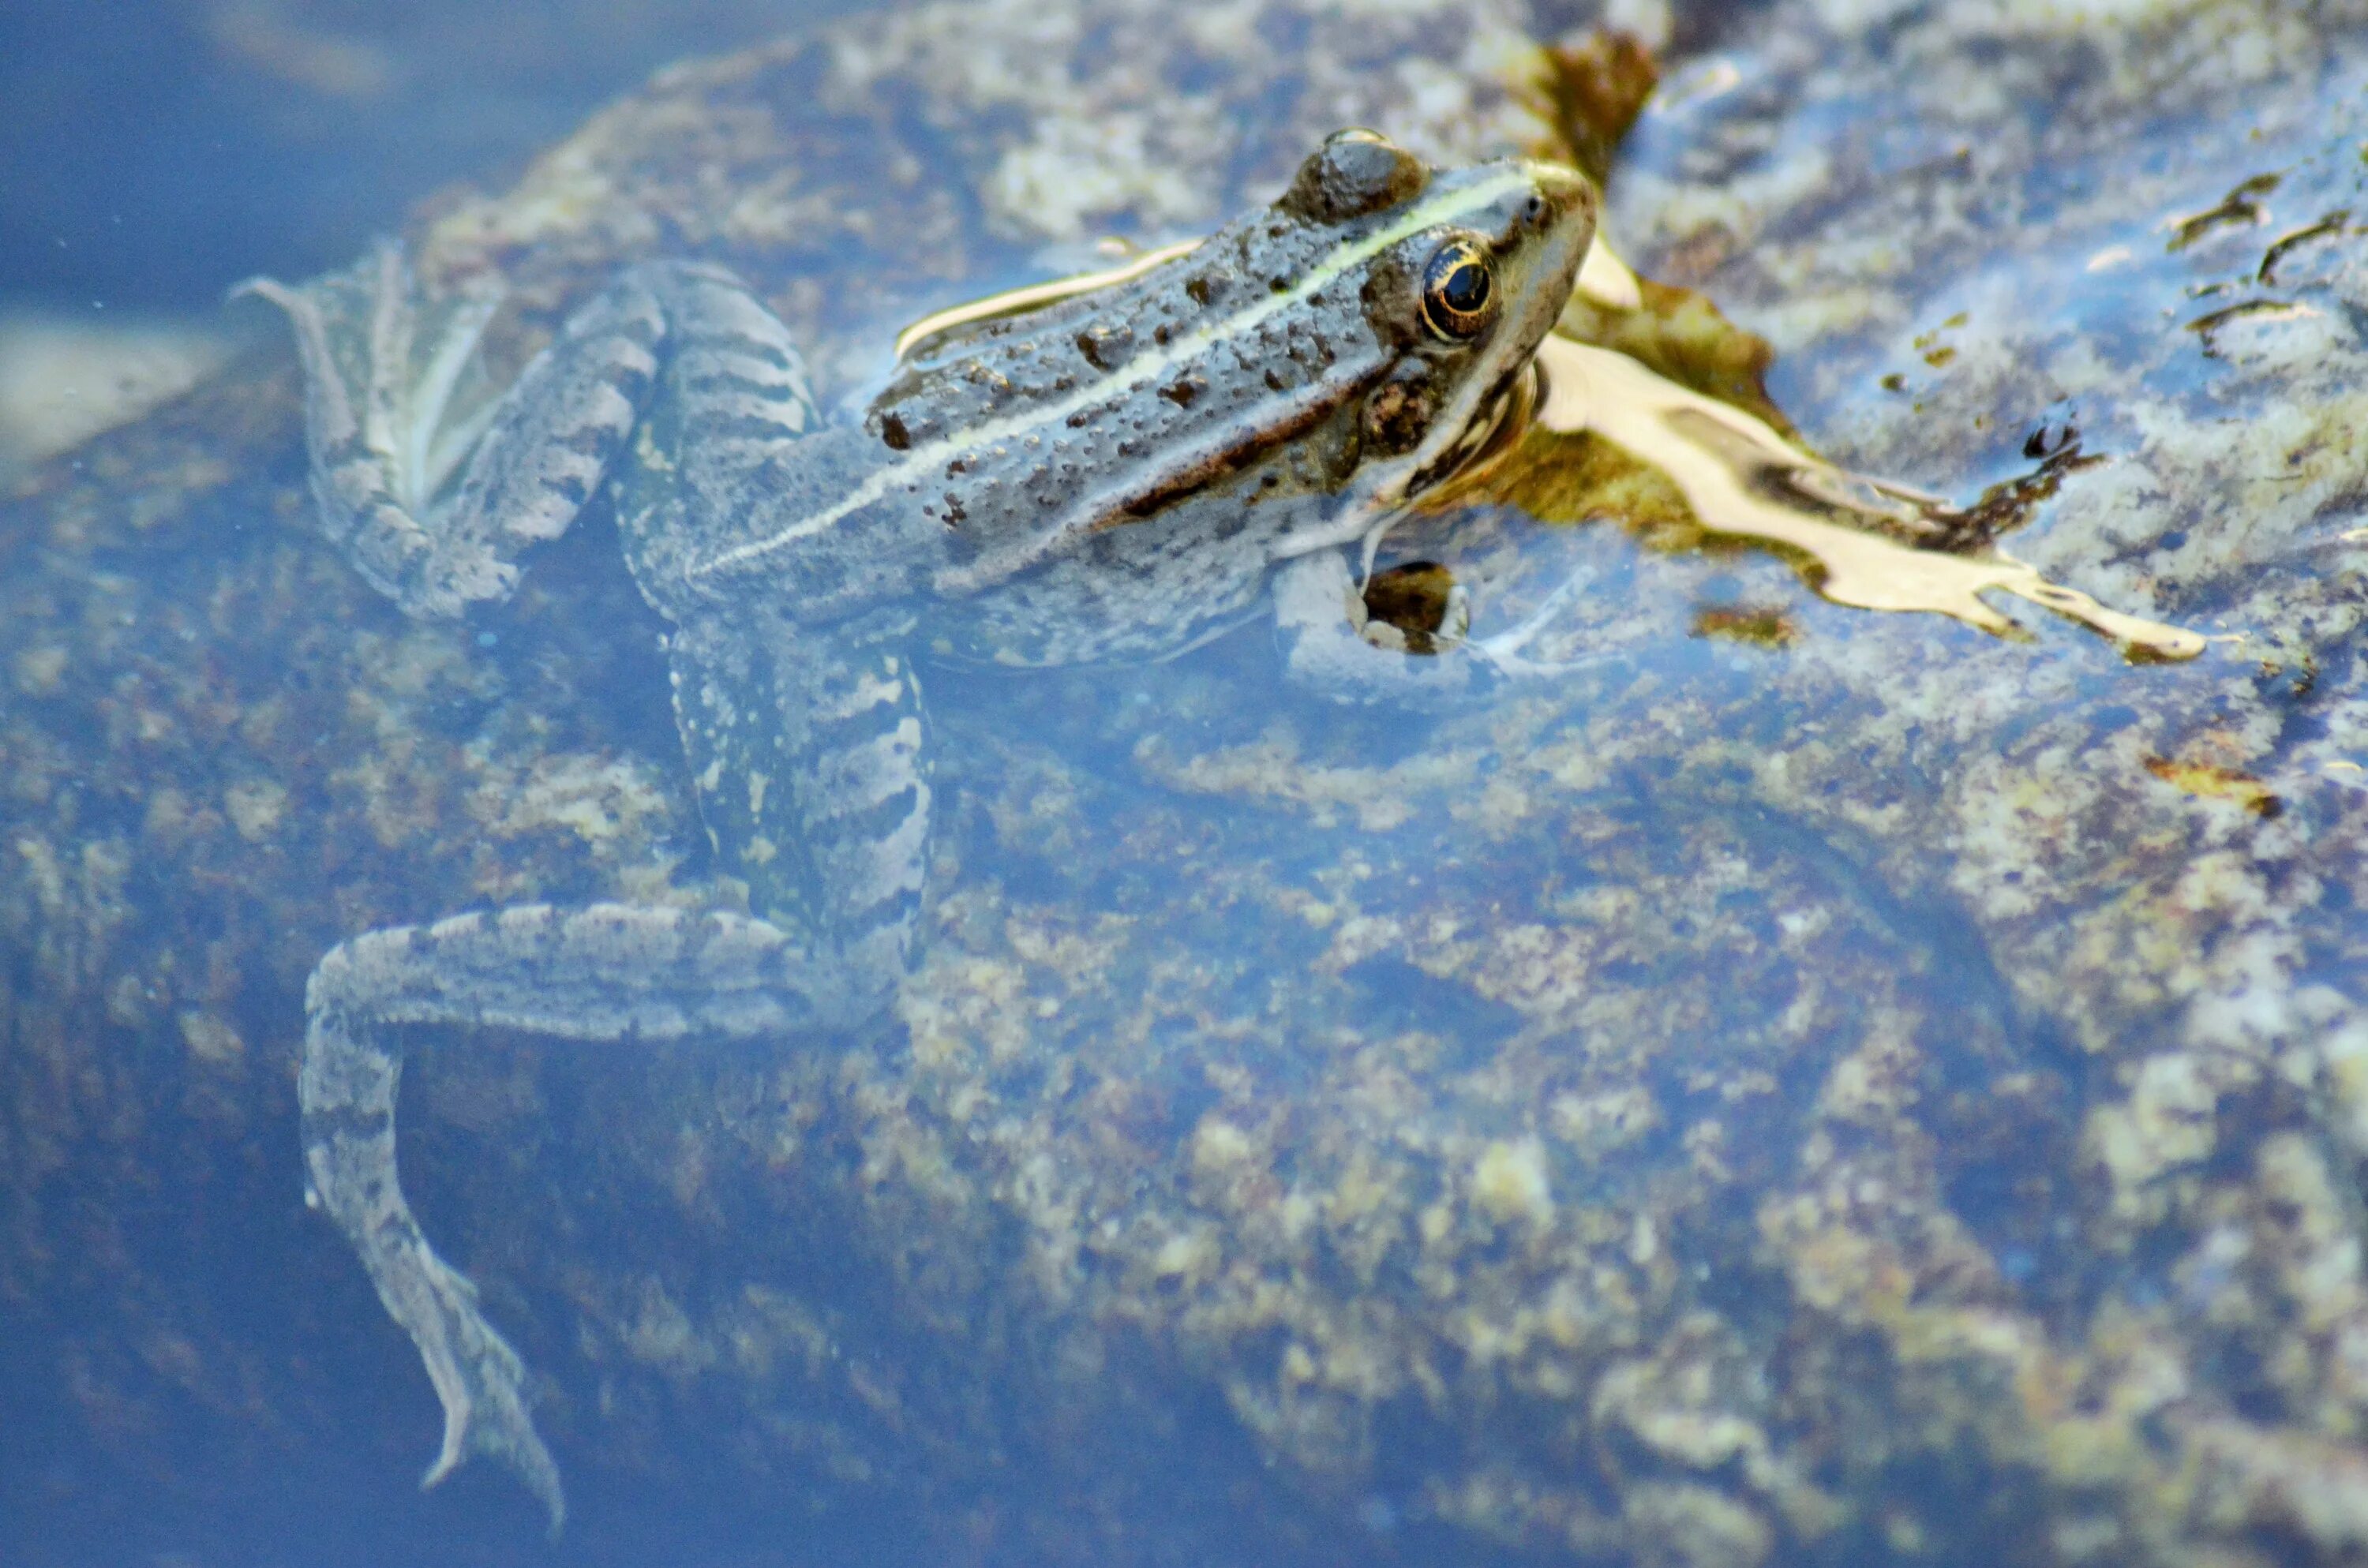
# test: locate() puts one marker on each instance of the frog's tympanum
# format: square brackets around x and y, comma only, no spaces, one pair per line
[1117,474]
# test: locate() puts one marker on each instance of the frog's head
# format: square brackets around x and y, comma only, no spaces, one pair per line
[1461,274]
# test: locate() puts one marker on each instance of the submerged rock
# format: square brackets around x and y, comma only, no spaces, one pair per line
[1881,1090]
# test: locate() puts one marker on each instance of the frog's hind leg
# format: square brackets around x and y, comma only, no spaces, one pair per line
[388,425]
[609,972]
[808,749]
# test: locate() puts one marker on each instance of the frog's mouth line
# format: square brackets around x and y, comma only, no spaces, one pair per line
[1539,279]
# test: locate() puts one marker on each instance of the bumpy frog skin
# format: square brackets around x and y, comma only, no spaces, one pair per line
[1116,476]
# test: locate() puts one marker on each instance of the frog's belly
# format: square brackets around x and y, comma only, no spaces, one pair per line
[1142,591]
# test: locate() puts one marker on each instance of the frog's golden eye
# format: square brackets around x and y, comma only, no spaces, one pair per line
[1459,291]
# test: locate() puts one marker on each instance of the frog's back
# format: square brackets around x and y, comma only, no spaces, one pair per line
[1113,402]
[1113,475]
[1108,476]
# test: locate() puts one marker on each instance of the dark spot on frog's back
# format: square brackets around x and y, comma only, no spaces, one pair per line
[1354,173]
[1105,347]
[893,432]
[1183,391]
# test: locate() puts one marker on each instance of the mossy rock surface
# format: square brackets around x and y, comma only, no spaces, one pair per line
[1809,1086]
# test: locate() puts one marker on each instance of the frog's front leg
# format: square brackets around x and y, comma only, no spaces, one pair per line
[1329,641]
[607,974]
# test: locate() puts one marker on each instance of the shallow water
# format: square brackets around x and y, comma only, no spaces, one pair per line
[1799,1086]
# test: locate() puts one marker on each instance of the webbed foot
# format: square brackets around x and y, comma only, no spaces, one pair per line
[387,424]
[347,1090]
[1503,652]
[482,1384]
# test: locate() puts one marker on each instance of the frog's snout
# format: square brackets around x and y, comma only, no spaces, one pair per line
[1558,198]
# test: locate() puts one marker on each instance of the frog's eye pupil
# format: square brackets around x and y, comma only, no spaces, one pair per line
[1466,289]
[1458,290]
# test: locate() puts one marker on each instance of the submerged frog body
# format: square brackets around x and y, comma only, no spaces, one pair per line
[1117,475]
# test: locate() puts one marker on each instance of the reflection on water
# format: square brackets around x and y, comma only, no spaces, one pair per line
[156,153]
[64,379]
[1743,481]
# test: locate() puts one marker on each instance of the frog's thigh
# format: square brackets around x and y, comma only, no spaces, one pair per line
[808,747]
[1320,618]
[606,972]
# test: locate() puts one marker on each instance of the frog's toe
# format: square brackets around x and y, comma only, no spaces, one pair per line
[518,1446]
[481,1382]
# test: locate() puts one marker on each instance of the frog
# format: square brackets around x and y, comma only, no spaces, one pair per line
[1117,474]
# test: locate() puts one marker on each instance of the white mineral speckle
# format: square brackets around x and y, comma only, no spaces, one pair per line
[1510,1183]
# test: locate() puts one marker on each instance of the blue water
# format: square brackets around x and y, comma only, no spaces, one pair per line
[153,154]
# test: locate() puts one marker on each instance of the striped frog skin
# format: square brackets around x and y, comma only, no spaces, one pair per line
[1117,474]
